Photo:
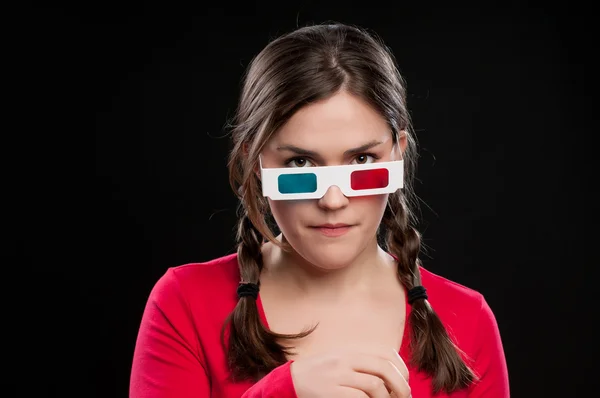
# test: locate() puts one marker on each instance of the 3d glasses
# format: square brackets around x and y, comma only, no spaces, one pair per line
[294,183]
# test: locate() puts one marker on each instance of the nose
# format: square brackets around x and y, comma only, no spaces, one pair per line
[333,199]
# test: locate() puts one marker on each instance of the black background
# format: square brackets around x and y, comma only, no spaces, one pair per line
[500,99]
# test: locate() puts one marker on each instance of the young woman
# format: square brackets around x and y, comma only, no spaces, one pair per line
[326,296]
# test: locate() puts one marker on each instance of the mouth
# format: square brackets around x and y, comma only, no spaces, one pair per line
[333,230]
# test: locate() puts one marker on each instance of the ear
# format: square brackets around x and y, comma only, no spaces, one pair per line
[245,151]
[402,141]
[257,168]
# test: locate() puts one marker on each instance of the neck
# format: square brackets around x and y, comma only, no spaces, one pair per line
[364,275]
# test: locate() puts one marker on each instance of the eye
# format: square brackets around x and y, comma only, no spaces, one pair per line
[364,158]
[298,162]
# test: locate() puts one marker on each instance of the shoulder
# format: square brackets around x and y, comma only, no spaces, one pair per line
[444,292]
[211,275]
[201,282]
[464,311]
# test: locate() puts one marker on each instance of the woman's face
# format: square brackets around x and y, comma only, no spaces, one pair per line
[326,133]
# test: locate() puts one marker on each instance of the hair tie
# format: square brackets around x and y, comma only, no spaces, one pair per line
[246,289]
[416,293]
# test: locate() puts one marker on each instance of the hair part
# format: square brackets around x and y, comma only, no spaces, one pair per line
[307,65]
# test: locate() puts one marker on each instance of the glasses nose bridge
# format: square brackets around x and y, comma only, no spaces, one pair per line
[335,187]
[333,198]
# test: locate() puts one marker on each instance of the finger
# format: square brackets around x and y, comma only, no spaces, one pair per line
[349,392]
[391,355]
[393,395]
[399,362]
[383,369]
[372,385]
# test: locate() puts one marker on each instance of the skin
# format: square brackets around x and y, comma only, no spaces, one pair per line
[346,284]
[319,266]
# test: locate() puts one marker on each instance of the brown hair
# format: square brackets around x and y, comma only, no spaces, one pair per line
[310,64]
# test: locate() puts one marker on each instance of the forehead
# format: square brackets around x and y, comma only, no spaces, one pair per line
[340,122]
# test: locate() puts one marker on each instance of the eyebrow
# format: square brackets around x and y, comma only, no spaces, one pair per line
[315,155]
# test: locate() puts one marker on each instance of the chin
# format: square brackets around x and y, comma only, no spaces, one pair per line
[328,253]
[330,258]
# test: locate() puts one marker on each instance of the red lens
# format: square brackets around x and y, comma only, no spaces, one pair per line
[369,179]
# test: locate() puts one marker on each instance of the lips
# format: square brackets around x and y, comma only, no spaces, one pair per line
[333,230]
[339,225]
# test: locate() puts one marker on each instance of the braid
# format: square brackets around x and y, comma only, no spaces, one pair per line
[249,250]
[253,349]
[433,352]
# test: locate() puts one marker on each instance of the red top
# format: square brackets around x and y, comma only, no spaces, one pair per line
[178,353]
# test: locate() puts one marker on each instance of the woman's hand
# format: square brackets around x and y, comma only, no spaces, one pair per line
[376,373]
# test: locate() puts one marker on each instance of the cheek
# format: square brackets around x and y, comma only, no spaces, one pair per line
[371,207]
[286,213]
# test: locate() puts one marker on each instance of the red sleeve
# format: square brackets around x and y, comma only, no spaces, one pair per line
[490,362]
[168,360]
[277,384]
